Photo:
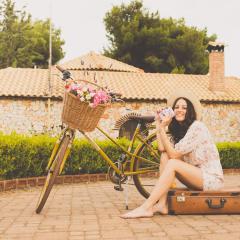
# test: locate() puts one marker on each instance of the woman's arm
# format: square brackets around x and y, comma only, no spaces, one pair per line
[172,153]
[159,142]
[163,141]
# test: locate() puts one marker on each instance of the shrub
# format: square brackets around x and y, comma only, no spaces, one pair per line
[85,159]
[25,156]
[229,154]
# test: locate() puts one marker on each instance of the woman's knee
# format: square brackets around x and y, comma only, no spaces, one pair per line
[164,157]
[173,163]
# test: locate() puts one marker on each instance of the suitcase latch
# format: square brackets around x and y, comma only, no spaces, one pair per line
[181,198]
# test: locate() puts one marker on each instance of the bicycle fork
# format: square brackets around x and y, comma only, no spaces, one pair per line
[70,133]
[51,163]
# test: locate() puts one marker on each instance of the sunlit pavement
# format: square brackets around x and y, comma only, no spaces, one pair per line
[91,211]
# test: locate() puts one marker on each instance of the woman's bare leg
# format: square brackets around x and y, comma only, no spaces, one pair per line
[163,162]
[188,172]
[161,206]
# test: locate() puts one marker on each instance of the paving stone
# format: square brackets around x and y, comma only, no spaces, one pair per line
[82,211]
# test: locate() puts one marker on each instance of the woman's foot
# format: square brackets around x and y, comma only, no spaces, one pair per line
[160,208]
[139,212]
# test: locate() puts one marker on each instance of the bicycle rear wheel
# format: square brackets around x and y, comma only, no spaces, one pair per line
[53,172]
[148,169]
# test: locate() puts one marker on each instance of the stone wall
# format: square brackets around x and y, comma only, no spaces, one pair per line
[26,116]
[223,121]
[31,116]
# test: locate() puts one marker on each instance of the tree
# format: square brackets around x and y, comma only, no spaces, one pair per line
[155,44]
[24,43]
[40,36]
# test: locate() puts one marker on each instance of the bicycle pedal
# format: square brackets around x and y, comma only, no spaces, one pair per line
[118,188]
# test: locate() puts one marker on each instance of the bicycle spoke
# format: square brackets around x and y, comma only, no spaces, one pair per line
[146,166]
[145,160]
[149,147]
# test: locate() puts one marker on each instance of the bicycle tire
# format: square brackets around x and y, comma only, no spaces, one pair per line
[146,181]
[52,173]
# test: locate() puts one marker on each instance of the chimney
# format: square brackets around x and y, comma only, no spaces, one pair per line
[216,66]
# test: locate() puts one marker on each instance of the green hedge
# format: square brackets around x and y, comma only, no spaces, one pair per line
[229,154]
[24,156]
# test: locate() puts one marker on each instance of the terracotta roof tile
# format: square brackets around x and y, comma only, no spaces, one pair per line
[28,82]
[94,61]
[136,86]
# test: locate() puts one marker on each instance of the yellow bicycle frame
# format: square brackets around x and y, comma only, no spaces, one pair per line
[132,156]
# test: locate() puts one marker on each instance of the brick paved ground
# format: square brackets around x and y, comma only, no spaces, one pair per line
[91,211]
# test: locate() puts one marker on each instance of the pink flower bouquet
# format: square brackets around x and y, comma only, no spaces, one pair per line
[88,94]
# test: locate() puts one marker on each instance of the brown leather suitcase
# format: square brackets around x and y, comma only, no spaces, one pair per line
[203,202]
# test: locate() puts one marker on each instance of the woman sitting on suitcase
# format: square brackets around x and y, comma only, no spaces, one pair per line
[192,158]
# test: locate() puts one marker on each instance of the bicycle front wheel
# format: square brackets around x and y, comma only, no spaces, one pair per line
[53,172]
[146,165]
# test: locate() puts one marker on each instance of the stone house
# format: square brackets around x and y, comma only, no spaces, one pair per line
[31,99]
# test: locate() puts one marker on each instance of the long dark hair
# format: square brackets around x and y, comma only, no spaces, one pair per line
[178,130]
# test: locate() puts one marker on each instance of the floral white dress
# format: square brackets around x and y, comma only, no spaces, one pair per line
[200,150]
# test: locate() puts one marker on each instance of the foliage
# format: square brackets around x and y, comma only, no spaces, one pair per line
[25,156]
[40,36]
[229,154]
[155,44]
[85,159]
[24,43]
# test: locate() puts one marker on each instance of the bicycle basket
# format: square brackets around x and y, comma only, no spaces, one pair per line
[79,115]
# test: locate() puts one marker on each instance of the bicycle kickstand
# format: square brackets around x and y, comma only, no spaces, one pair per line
[127,193]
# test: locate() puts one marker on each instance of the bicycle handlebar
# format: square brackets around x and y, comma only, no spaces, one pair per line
[67,75]
[61,69]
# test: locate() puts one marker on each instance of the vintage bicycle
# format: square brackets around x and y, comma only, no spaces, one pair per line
[139,162]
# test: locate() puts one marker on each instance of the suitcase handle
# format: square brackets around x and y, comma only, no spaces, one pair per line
[221,205]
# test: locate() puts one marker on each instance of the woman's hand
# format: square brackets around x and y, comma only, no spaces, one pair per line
[162,122]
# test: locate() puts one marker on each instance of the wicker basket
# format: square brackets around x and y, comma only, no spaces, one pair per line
[79,115]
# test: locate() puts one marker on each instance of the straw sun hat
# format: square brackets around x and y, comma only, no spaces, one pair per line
[193,99]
